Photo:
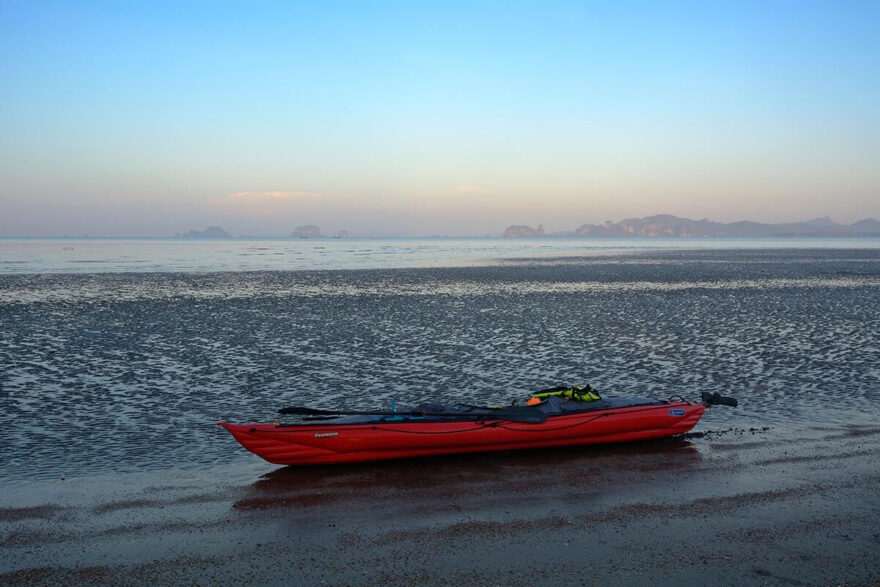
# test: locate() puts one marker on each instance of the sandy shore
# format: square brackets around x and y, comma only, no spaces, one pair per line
[114,472]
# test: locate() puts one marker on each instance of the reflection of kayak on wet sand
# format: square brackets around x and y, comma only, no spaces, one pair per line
[560,416]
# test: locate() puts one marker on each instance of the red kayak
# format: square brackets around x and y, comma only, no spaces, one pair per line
[375,436]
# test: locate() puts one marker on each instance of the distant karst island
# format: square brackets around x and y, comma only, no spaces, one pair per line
[307,231]
[215,232]
[667,225]
[212,232]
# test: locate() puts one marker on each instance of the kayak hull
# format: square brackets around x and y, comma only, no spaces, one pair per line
[317,444]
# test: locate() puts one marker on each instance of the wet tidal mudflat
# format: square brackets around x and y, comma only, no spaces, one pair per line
[113,469]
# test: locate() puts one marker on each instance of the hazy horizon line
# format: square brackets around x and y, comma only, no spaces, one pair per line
[335,235]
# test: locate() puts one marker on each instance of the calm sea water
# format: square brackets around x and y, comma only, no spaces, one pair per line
[162,255]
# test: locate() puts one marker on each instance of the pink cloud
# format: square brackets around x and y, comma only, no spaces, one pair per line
[276,196]
[484,187]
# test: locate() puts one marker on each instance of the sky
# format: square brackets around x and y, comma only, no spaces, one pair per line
[433,118]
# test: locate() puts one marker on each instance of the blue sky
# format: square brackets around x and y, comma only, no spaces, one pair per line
[433,118]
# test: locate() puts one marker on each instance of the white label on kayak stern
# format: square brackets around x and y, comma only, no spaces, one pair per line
[325,434]
[676,412]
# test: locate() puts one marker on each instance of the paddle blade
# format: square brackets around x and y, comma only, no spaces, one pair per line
[711,399]
[302,411]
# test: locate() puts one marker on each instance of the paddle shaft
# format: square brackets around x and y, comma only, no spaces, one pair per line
[512,414]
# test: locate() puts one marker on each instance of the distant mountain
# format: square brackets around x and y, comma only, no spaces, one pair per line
[652,226]
[523,231]
[866,227]
[667,225]
[210,232]
[309,230]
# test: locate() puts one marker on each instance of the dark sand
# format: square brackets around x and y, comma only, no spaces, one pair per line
[781,491]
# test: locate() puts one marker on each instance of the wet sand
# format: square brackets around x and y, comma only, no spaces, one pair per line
[727,507]
[103,482]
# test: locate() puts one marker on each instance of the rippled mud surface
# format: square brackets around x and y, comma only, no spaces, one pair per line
[129,372]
